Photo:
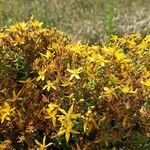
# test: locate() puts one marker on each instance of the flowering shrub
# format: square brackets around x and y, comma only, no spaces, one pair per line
[70,95]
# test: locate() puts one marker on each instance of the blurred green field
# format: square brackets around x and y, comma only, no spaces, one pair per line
[84,20]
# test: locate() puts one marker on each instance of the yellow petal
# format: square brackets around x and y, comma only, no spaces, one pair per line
[70,110]
[70,71]
[38,143]
[63,111]
[67,136]
[61,132]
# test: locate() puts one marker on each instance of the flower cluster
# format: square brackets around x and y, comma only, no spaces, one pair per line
[78,96]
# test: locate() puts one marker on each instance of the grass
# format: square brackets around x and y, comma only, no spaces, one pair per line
[110,14]
[84,20]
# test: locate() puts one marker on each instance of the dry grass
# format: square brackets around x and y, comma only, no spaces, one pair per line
[84,20]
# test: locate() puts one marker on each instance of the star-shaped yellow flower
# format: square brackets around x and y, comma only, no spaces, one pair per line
[41,75]
[43,146]
[49,85]
[127,89]
[51,112]
[5,111]
[146,82]
[75,73]
[47,55]
[66,123]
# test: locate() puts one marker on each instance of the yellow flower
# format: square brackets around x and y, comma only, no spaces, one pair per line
[98,58]
[29,82]
[146,82]
[47,55]
[90,122]
[18,40]
[5,112]
[37,24]
[75,73]
[108,50]
[22,26]
[120,56]
[143,45]
[70,114]
[43,146]
[2,35]
[114,38]
[109,92]
[41,75]
[49,86]
[131,44]
[51,113]
[5,144]
[126,89]
[67,130]
[66,123]
[77,48]
[145,72]
[18,26]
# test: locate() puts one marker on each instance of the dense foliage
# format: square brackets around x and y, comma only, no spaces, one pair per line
[56,94]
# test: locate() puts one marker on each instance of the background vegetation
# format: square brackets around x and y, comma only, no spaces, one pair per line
[85,20]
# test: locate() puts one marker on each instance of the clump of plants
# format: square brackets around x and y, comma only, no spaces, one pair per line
[56,94]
